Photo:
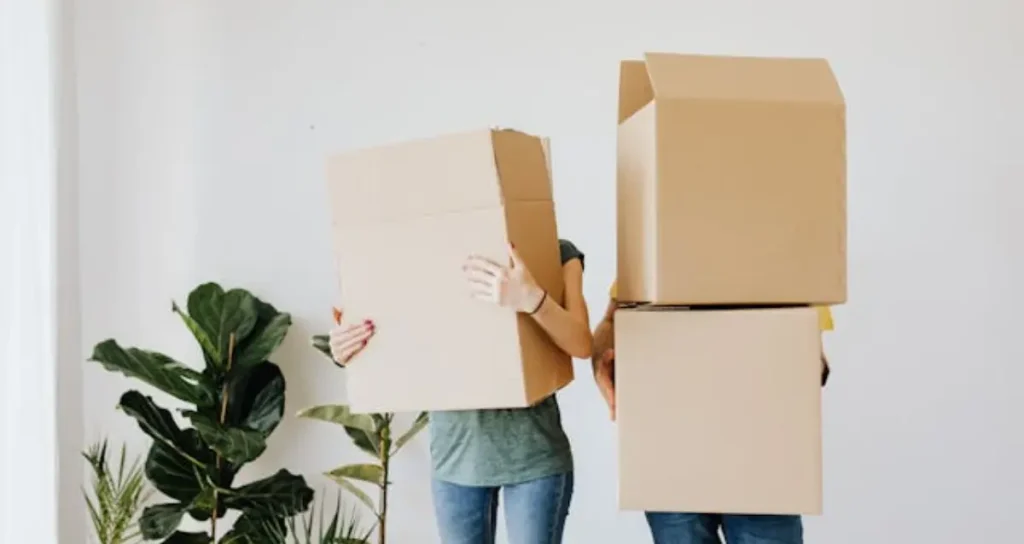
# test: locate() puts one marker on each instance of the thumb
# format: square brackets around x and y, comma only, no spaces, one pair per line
[517,260]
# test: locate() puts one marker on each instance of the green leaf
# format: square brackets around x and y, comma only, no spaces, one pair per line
[161,520]
[368,443]
[322,343]
[332,529]
[249,529]
[382,422]
[282,495]
[270,328]
[118,495]
[210,348]
[418,425]
[256,399]
[361,428]
[189,538]
[364,472]
[178,477]
[204,502]
[220,315]
[156,369]
[153,420]
[347,485]
[99,522]
[343,527]
[237,445]
[267,408]
[340,415]
[172,473]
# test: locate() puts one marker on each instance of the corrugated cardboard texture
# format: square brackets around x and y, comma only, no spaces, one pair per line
[719,410]
[405,217]
[731,181]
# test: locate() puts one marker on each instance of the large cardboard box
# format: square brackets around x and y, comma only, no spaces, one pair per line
[719,410]
[405,218]
[731,181]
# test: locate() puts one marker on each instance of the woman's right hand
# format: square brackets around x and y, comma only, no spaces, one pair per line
[347,340]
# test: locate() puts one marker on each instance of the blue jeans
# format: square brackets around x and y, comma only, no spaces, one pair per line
[535,511]
[678,528]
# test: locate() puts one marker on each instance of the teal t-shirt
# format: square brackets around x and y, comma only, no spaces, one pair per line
[503,446]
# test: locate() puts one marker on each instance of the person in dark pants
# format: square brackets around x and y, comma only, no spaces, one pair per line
[692,528]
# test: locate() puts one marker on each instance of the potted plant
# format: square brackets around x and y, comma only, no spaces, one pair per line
[117,496]
[234,404]
[343,527]
[373,434]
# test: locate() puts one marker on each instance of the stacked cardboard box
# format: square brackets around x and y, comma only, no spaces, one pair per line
[731,227]
[405,217]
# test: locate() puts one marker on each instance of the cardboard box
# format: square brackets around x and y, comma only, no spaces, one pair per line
[731,181]
[719,411]
[405,218]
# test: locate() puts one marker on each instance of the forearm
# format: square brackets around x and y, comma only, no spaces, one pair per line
[604,333]
[567,331]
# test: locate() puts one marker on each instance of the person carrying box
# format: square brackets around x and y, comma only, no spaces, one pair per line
[698,528]
[522,452]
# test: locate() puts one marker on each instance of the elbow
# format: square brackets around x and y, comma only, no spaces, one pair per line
[583,347]
[583,351]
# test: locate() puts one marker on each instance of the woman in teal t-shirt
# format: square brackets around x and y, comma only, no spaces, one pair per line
[522,451]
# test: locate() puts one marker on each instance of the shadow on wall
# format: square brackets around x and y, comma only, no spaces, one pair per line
[301,365]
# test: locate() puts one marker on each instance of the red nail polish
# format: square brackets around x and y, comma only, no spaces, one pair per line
[364,343]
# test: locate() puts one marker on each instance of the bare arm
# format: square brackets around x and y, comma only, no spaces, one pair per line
[569,327]
[604,356]
[604,333]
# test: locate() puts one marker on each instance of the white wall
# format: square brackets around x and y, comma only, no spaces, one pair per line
[40,364]
[204,127]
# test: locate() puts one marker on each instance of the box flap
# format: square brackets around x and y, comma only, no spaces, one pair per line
[762,79]
[546,144]
[634,88]
[522,161]
[445,174]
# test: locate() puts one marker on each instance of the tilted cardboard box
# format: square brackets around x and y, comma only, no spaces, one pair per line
[719,411]
[405,218]
[731,181]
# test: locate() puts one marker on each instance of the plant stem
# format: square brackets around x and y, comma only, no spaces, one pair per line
[221,420]
[385,463]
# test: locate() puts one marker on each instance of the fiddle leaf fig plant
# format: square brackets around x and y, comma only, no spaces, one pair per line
[371,433]
[234,404]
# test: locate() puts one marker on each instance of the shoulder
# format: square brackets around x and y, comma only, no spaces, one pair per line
[569,251]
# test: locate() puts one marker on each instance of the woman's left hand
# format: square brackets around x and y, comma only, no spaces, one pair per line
[604,373]
[511,287]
